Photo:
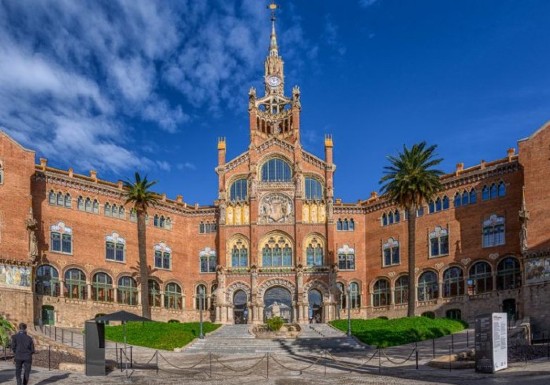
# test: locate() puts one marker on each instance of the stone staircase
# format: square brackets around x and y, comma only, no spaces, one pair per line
[237,339]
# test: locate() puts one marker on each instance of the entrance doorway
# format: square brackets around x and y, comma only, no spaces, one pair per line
[278,303]
[48,315]
[240,311]
[509,307]
[315,299]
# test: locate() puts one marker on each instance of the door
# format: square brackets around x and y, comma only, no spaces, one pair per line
[509,307]
[48,315]
[240,311]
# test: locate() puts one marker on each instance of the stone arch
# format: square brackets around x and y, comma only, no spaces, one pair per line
[276,282]
[276,236]
[316,285]
[233,288]
[240,241]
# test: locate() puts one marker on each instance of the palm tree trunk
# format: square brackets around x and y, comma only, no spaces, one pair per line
[143,269]
[412,261]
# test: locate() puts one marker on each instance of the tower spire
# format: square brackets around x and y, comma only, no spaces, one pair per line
[273,49]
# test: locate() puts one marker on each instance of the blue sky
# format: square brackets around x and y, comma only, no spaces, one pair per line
[119,86]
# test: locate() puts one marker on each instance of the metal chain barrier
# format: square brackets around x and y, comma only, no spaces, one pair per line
[293,369]
[398,363]
[243,370]
[182,368]
[353,367]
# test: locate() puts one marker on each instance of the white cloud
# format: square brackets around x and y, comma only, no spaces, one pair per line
[186,165]
[366,3]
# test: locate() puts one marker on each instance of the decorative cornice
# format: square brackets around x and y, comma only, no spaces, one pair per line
[275,142]
[312,159]
[236,162]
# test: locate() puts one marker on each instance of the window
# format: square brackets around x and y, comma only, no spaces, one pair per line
[68,201]
[508,274]
[156,221]
[115,248]
[1,173]
[127,291]
[102,288]
[52,198]
[458,200]
[428,288]
[390,251]
[154,293]
[207,260]
[133,215]
[107,210]
[88,205]
[239,254]
[95,208]
[80,203]
[445,203]
[61,239]
[75,284]
[341,295]
[173,297]
[381,293]
[481,277]
[493,231]
[493,191]
[47,281]
[314,190]
[453,282]
[238,190]
[402,290]
[455,314]
[277,252]
[314,253]
[473,196]
[384,219]
[121,212]
[501,189]
[346,258]
[485,193]
[60,199]
[163,256]
[200,297]
[276,170]
[354,295]
[206,228]
[420,211]
[439,242]
[438,205]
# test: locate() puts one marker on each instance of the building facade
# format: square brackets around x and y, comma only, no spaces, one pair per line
[276,241]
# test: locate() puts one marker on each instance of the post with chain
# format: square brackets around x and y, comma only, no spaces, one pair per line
[157,355]
[450,362]
[49,357]
[433,347]
[116,352]
[267,365]
[210,356]
[131,356]
[325,362]
[416,353]
[379,361]
[467,338]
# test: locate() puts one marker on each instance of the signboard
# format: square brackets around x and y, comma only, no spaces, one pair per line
[491,342]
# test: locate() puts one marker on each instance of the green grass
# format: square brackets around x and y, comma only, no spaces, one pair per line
[158,335]
[383,333]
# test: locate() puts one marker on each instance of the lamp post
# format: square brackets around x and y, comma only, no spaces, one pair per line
[348,303]
[201,305]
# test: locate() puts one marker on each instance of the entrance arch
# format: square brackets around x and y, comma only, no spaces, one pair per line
[278,303]
[315,311]
[240,310]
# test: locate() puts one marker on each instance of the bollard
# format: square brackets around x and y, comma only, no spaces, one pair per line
[547,346]
[116,352]
[450,362]
[62,335]
[49,357]
[452,343]
[131,356]
[267,366]
[324,363]
[416,360]
[121,366]
[157,354]
[433,347]
[467,338]
[379,362]
[210,354]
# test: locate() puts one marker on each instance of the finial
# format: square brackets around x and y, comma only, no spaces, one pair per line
[273,7]
[273,40]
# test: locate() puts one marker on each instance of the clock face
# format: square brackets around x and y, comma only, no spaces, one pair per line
[273,81]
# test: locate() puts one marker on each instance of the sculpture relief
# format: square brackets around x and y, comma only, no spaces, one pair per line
[276,208]
[32,226]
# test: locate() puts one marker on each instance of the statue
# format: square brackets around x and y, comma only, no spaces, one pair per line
[32,227]
[251,98]
[523,218]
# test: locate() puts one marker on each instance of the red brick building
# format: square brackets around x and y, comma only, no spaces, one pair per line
[275,242]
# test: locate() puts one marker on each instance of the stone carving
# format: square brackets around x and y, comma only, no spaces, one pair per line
[465,261]
[276,208]
[391,274]
[32,226]
[493,256]
[439,265]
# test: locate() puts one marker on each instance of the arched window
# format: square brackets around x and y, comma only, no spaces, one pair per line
[481,277]
[168,224]
[346,258]
[213,289]
[156,221]
[397,216]
[384,219]
[133,215]
[107,210]
[314,189]
[121,212]
[95,207]
[88,205]
[428,287]
[127,291]
[154,293]
[61,238]
[339,225]
[75,284]
[493,231]
[453,282]
[455,314]
[341,295]
[208,260]
[60,199]
[390,218]
[47,281]
[173,297]
[115,248]
[402,290]
[501,189]
[163,256]
[239,190]
[465,198]
[445,202]
[431,207]
[52,197]
[114,211]
[345,227]
[200,297]
[493,191]
[354,295]
[277,252]
[102,288]
[485,194]
[457,200]
[381,293]
[162,221]
[390,251]
[473,196]
[314,252]
[439,242]
[239,254]
[80,203]
[351,225]
[276,170]
[508,274]
[1,173]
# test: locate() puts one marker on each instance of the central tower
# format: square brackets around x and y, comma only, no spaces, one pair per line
[274,114]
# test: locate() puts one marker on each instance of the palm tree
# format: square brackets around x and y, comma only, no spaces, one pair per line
[410,180]
[138,193]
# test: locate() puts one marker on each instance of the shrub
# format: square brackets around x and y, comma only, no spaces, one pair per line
[429,314]
[275,323]
[5,329]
